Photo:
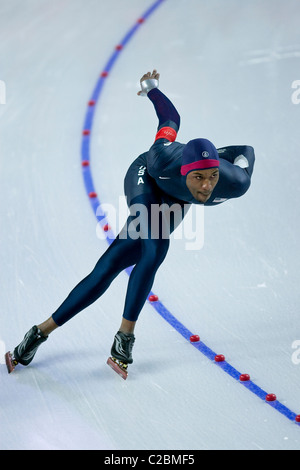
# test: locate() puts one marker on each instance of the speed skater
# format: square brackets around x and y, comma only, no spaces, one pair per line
[170,175]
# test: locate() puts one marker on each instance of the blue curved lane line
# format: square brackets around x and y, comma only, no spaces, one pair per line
[102,218]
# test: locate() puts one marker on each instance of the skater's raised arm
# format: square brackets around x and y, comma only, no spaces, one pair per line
[168,117]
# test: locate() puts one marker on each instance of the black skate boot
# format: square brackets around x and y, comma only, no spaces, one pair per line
[121,353]
[25,351]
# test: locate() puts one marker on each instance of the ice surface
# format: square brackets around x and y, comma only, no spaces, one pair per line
[229,68]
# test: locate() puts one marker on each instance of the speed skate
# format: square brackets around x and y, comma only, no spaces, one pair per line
[11,362]
[121,353]
[118,366]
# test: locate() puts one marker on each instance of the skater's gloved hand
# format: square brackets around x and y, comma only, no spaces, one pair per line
[148,82]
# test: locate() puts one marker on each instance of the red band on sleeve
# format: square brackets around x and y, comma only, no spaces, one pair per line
[166,133]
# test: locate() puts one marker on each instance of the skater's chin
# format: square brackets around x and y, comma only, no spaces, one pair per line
[201,197]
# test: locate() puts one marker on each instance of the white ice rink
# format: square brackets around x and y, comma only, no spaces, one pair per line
[230,67]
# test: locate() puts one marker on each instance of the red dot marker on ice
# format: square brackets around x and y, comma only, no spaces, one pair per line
[194,338]
[92,194]
[106,228]
[85,163]
[297,419]
[92,103]
[119,47]
[153,298]
[271,397]
[220,358]
[244,377]
[86,132]
[104,74]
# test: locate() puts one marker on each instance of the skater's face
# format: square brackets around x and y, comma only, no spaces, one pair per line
[201,183]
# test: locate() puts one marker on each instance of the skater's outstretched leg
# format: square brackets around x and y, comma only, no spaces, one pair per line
[121,254]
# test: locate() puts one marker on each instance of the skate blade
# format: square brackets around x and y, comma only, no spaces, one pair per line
[10,362]
[117,368]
